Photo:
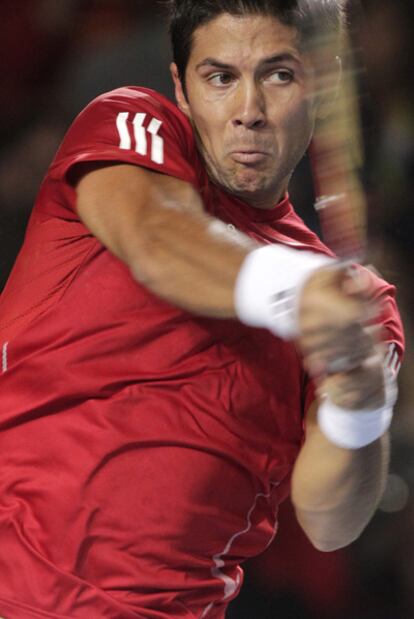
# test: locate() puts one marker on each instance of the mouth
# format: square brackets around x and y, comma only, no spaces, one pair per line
[249,157]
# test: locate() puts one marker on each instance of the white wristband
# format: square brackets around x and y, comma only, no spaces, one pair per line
[353,429]
[268,287]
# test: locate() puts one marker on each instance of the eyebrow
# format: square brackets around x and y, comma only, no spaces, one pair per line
[287,56]
[213,62]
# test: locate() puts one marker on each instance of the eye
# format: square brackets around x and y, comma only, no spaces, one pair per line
[220,80]
[281,76]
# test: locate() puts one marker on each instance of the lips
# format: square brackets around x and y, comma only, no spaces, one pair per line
[249,156]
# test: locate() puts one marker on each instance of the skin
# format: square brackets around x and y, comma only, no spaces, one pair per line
[247,98]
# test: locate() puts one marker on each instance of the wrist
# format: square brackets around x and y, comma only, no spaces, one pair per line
[354,429]
[269,285]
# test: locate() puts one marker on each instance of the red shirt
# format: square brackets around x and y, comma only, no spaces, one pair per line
[143,450]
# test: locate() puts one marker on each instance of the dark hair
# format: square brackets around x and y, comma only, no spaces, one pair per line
[307,16]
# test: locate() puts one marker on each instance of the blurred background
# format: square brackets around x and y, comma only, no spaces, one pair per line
[55,56]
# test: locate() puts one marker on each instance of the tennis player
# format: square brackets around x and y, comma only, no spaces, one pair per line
[178,350]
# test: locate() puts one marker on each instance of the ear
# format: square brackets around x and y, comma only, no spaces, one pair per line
[331,87]
[179,91]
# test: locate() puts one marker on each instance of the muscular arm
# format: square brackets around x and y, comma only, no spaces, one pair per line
[335,491]
[157,226]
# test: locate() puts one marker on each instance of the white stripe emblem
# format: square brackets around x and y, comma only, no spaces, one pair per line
[121,124]
[140,134]
[392,360]
[4,357]
[157,148]
[231,585]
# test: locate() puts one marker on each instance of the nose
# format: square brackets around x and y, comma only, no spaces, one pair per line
[250,111]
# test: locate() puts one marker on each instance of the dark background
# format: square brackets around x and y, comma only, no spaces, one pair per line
[54,58]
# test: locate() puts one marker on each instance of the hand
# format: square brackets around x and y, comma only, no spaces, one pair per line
[362,388]
[333,314]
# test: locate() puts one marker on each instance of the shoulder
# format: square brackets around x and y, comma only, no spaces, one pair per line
[130,125]
[138,107]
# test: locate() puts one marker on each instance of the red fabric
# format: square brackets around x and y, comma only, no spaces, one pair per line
[143,451]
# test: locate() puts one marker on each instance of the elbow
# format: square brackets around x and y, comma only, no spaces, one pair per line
[326,533]
[324,544]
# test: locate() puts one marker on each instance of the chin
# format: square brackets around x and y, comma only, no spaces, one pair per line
[251,185]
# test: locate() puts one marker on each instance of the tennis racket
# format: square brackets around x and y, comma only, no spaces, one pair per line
[336,152]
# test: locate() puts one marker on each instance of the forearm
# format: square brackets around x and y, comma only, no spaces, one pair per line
[335,491]
[190,261]
[162,233]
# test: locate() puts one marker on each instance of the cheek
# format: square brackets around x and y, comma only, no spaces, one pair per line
[209,128]
[208,116]
[300,124]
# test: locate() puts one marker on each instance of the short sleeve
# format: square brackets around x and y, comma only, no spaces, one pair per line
[388,319]
[129,125]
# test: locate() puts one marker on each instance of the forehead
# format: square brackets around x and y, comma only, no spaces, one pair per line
[236,39]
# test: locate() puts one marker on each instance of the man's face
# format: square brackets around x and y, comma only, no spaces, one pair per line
[248,100]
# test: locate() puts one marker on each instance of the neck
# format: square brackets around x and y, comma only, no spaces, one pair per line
[263,202]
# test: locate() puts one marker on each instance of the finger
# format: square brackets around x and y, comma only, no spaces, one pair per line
[354,340]
[339,351]
[359,389]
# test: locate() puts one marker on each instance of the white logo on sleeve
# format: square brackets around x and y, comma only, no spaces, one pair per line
[141,136]
[4,360]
